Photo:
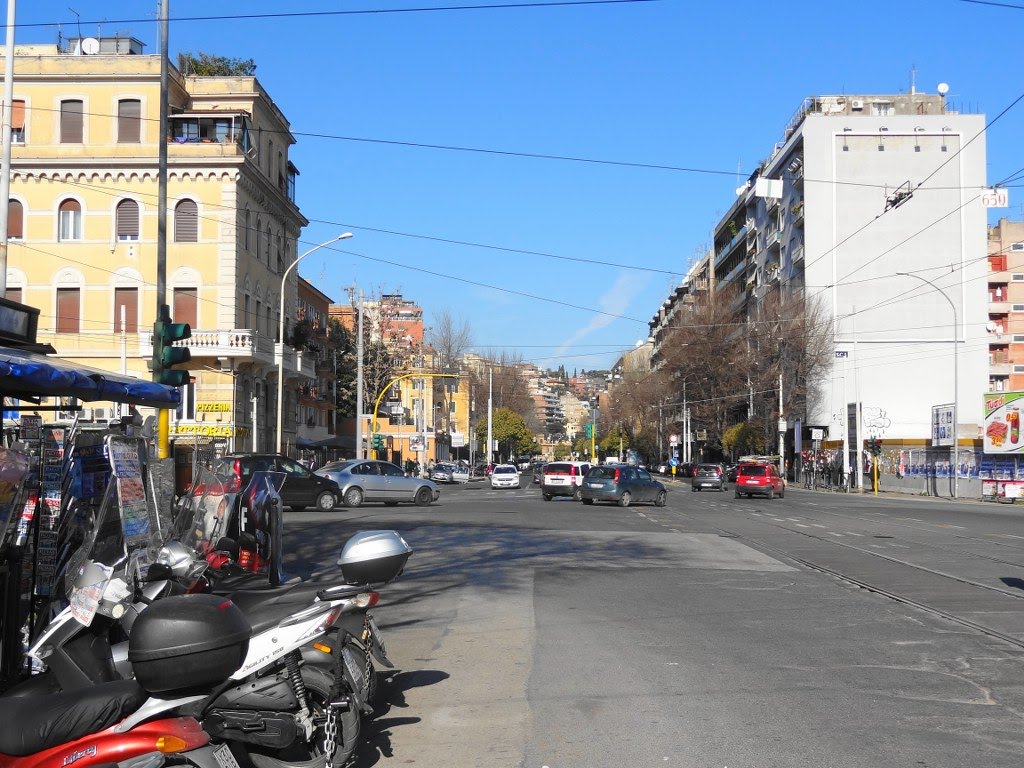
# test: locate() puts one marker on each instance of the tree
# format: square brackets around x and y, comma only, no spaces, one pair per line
[509,430]
[209,65]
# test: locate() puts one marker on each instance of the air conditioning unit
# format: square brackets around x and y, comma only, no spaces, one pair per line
[856,104]
[86,414]
[101,414]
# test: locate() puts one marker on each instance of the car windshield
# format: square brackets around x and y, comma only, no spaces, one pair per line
[753,471]
[504,470]
[556,469]
[708,467]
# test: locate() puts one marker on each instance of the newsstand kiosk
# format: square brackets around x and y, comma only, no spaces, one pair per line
[49,474]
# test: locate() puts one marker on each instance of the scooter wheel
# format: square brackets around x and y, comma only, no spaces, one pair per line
[303,754]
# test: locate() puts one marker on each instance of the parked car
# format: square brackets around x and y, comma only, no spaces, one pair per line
[708,476]
[563,478]
[621,484]
[301,488]
[759,479]
[505,476]
[460,473]
[442,473]
[368,480]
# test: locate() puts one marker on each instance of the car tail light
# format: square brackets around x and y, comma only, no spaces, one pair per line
[572,471]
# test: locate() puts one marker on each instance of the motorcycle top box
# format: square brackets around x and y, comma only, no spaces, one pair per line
[187,642]
[373,557]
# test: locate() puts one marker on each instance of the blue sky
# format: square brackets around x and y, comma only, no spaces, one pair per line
[559,261]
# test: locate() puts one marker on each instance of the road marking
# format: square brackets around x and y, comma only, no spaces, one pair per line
[801,525]
[817,525]
[851,533]
[834,533]
[793,519]
[947,525]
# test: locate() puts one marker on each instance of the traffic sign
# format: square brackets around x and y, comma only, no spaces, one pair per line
[673,462]
[673,439]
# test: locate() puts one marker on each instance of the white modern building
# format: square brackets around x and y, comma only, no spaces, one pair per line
[871,206]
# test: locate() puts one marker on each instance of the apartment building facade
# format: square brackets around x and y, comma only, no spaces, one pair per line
[867,207]
[1005,325]
[83,228]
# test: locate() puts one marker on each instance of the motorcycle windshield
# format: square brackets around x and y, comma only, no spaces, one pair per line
[206,511]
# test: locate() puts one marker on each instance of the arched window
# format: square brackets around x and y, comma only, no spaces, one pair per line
[248,226]
[186,222]
[127,220]
[256,236]
[15,220]
[69,221]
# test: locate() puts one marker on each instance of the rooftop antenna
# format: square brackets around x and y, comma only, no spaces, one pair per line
[913,80]
[79,21]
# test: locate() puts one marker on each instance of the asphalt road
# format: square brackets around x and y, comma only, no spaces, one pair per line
[816,630]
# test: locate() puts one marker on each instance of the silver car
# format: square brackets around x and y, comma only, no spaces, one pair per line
[367,480]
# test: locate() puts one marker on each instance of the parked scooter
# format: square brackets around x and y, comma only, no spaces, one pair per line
[293,699]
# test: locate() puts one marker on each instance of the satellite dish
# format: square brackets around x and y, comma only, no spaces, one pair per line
[943,89]
[90,46]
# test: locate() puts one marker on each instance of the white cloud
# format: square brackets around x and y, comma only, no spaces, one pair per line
[615,301]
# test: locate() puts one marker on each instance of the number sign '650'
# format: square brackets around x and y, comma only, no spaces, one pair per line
[996,198]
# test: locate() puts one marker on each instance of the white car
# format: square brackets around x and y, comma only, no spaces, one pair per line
[505,476]
[460,474]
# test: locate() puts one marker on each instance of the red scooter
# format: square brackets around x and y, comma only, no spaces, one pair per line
[94,727]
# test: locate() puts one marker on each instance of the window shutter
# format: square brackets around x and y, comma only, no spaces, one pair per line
[18,115]
[15,220]
[67,310]
[127,220]
[186,222]
[71,122]
[185,306]
[129,122]
[129,299]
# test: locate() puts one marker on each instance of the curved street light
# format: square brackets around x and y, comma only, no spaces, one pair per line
[956,380]
[280,334]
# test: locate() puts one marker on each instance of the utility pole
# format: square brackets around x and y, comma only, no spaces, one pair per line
[163,415]
[782,431]
[5,158]
[490,415]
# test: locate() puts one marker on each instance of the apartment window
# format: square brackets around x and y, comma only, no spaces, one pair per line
[1018,369]
[71,121]
[129,121]
[69,221]
[1017,247]
[68,310]
[1017,308]
[186,222]
[186,306]
[1017,277]
[277,252]
[126,305]
[127,220]
[15,220]
[246,313]
[266,245]
[1018,338]
[18,121]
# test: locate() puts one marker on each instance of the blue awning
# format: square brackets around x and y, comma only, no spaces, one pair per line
[30,375]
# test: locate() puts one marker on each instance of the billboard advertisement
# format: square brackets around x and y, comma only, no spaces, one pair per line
[943,432]
[1002,422]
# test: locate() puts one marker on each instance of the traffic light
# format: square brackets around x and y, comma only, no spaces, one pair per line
[165,354]
[378,441]
[874,446]
[590,430]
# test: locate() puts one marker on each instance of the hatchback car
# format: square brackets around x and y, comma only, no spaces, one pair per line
[443,473]
[708,476]
[563,478]
[759,479]
[301,488]
[505,476]
[621,484]
[361,481]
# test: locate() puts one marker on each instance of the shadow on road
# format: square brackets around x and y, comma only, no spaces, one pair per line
[375,736]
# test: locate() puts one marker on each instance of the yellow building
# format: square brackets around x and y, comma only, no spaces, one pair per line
[83,228]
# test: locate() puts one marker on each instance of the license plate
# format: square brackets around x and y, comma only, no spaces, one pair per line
[224,758]
[594,485]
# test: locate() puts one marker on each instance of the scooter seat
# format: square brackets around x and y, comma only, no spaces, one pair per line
[35,724]
[265,607]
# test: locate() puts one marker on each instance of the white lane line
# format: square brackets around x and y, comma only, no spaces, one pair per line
[834,533]
[793,519]
[851,533]
[817,525]
[801,525]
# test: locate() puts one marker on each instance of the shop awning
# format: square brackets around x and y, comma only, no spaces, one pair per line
[30,375]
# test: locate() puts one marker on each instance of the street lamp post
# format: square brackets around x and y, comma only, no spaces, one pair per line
[956,380]
[280,334]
